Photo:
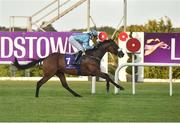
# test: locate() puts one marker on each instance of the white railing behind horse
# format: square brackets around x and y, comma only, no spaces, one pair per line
[145,64]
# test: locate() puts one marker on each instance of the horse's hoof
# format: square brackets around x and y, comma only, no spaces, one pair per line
[107,91]
[78,96]
[121,88]
[36,95]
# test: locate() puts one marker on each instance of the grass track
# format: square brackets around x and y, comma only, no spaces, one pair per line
[151,103]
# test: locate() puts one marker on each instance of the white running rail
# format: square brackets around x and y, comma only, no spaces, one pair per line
[116,90]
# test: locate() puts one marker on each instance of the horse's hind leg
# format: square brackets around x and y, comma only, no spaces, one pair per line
[65,85]
[40,83]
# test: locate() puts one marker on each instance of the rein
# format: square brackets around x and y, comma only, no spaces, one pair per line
[98,48]
[93,57]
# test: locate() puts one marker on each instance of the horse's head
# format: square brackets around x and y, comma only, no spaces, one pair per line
[112,47]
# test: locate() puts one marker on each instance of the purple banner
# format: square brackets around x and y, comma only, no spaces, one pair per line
[162,47]
[32,45]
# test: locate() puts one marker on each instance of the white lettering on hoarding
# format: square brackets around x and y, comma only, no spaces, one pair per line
[173,50]
[31,48]
[59,45]
[17,43]
[6,41]
[22,47]
[45,41]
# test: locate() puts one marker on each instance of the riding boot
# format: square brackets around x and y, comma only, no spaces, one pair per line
[78,56]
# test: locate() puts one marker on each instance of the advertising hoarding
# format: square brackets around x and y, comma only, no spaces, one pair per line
[161,48]
[32,45]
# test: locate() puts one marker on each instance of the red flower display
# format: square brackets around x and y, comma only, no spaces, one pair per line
[102,36]
[133,45]
[123,36]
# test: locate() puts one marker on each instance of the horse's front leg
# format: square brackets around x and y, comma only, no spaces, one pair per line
[108,79]
[107,84]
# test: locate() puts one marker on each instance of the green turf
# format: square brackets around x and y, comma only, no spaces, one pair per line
[151,103]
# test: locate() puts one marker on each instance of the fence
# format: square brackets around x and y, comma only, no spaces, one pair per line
[116,90]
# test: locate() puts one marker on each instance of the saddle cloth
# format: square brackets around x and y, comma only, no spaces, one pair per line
[69,60]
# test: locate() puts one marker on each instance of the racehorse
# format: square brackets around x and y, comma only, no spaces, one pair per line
[55,64]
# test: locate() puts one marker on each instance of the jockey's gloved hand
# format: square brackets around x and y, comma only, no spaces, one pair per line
[97,45]
[83,53]
[90,48]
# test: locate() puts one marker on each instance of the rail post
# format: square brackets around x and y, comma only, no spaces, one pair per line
[93,90]
[170,80]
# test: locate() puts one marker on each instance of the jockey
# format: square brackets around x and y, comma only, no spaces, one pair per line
[81,42]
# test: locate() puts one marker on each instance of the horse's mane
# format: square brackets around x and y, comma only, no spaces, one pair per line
[104,42]
[99,44]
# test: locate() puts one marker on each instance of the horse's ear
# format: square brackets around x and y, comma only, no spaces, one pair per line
[112,39]
[116,42]
[130,35]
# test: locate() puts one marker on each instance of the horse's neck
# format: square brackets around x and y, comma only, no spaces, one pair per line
[98,53]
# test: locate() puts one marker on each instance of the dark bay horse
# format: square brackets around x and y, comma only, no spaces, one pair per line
[54,64]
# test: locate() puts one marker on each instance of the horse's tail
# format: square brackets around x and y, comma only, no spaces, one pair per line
[26,66]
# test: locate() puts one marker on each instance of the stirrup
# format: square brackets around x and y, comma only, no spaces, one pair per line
[77,62]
